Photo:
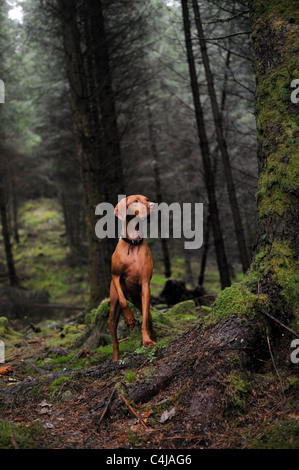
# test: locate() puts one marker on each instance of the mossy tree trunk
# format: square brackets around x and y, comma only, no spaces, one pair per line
[272,281]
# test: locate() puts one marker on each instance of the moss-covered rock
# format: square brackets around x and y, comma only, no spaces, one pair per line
[237,300]
[6,332]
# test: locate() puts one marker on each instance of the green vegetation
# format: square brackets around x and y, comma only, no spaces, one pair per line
[6,332]
[41,257]
[237,300]
[281,435]
[23,436]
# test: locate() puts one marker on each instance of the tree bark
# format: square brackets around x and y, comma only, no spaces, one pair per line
[205,152]
[275,38]
[222,143]
[271,284]
[6,236]
[89,159]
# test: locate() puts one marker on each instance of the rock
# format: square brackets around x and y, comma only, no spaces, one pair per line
[67,396]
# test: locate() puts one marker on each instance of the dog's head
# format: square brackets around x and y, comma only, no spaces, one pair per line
[134,206]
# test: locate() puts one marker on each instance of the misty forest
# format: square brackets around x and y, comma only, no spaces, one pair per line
[185,102]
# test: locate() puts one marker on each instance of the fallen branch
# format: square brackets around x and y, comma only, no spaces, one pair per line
[274,365]
[133,411]
[29,364]
[107,405]
[123,340]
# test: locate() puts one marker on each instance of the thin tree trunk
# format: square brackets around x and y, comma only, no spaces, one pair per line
[205,250]
[204,146]
[5,232]
[222,143]
[112,164]
[155,155]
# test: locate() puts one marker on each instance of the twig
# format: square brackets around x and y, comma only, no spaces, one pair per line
[107,405]
[14,442]
[133,411]
[274,365]
[142,365]
[123,340]
[224,37]
[78,354]
[28,364]
[281,324]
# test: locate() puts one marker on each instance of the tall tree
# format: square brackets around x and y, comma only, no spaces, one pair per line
[275,27]
[271,285]
[205,152]
[90,161]
[5,155]
[157,179]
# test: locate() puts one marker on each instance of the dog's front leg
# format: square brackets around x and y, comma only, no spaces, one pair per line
[128,315]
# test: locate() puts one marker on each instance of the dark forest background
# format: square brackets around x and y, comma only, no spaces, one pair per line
[99,103]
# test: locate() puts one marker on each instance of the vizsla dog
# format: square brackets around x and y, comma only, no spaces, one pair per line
[132,268]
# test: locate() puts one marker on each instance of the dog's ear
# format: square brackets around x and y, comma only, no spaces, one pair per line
[121,209]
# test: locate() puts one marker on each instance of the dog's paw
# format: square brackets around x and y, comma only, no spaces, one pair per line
[149,343]
[130,322]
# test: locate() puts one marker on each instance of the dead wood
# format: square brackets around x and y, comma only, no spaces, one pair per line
[197,364]
[132,410]
[107,405]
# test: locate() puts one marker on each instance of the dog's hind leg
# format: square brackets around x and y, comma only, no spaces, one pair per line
[115,310]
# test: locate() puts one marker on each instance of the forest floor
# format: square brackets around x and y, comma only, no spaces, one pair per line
[54,394]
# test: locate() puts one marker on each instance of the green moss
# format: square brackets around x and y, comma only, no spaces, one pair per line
[237,300]
[23,435]
[57,385]
[130,377]
[277,116]
[278,261]
[41,257]
[6,332]
[238,384]
[282,435]
[183,310]
[237,393]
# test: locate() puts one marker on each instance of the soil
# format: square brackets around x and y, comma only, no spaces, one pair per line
[209,389]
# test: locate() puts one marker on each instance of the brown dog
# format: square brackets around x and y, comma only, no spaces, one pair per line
[132,268]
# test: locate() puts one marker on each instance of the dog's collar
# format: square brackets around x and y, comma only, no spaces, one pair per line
[132,242]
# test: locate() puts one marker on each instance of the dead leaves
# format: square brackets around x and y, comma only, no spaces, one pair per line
[5,370]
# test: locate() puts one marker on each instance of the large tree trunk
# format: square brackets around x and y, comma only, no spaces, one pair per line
[272,281]
[205,152]
[275,38]
[89,158]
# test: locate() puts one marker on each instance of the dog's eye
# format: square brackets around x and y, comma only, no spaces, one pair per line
[136,200]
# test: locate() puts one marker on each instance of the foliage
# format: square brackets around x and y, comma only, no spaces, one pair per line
[23,435]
